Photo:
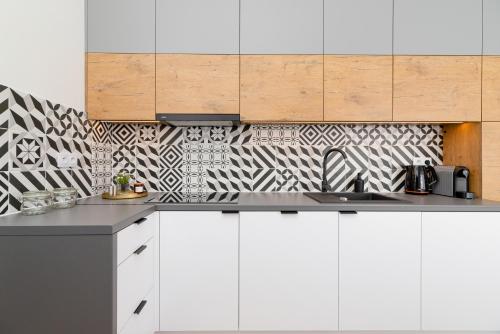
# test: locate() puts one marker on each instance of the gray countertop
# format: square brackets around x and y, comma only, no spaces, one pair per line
[94,215]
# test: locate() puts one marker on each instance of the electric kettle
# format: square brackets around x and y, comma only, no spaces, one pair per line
[420,178]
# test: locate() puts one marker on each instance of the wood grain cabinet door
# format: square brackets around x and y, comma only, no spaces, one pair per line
[358,88]
[491,88]
[437,88]
[438,27]
[358,27]
[491,160]
[197,84]
[121,87]
[281,88]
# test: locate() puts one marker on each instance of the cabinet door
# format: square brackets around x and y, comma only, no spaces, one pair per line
[380,271]
[491,27]
[288,271]
[491,88]
[281,88]
[358,88]
[198,271]
[121,26]
[438,27]
[491,160]
[460,271]
[361,27]
[281,26]
[437,88]
[198,84]
[197,26]
[121,87]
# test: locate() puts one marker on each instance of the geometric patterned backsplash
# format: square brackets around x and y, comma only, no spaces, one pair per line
[196,159]
[271,157]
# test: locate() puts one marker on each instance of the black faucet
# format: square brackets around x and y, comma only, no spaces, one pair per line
[325,187]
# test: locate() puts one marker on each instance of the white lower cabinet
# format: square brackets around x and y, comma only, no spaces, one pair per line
[461,271]
[288,271]
[136,277]
[198,271]
[380,271]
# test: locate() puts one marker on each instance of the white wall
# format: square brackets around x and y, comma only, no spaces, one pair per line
[42,49]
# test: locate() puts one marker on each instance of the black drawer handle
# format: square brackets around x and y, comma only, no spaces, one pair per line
[140,307]
[289,212]
[230,211]
[140,249]
[348,212]
[140,221]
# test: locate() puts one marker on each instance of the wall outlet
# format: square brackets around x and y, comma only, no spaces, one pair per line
[66,160]
[421,161]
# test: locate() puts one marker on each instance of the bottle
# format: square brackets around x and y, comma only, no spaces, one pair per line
[359,184]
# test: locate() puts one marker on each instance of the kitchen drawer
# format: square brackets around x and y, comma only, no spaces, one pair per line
[133,237]
[135,278]
[142,320]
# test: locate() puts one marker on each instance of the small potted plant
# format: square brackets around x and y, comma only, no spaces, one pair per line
[123,180]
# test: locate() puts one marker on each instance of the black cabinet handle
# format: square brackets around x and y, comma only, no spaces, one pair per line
[348,212]
[140,307]
[230,211]
[140,221]
[140,249]
[289,212]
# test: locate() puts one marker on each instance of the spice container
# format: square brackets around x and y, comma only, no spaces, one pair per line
[139,187]
[64,198]
[36,202]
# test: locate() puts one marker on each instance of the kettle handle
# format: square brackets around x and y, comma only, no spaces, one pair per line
[433,175]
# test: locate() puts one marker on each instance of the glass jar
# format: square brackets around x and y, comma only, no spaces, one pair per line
[36,202]
[64,198]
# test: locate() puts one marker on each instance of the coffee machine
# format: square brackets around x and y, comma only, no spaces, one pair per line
[453,181]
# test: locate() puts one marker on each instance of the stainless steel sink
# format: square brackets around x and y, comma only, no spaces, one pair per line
[330,197]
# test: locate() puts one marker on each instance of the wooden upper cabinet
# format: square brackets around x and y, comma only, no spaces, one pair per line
[197,26]
[285,88]
[197,84]
[281,26]
[437,88]
[358,88]
[491,27]
[358,27]
[491,160]
[438,27]
[491,88]
[121,26]
[121,87]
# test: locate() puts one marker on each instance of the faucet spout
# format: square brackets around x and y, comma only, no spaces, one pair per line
[325,187]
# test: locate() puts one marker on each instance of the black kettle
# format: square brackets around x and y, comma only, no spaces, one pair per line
[419,179]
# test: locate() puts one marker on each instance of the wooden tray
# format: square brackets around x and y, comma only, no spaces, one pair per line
[129,194]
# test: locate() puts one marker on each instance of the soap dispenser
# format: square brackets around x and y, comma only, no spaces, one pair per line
[359,184]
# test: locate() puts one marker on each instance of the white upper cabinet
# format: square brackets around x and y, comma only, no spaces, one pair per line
[438,27]
[121,26]
[380,271]
[288,271]
[282,26]
[198,271]
[197,26]
[358,27]
[491,27]
[461,271]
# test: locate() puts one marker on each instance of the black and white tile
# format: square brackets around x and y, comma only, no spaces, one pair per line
[275,134]
[322,135]
[20,182]
[4,192]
